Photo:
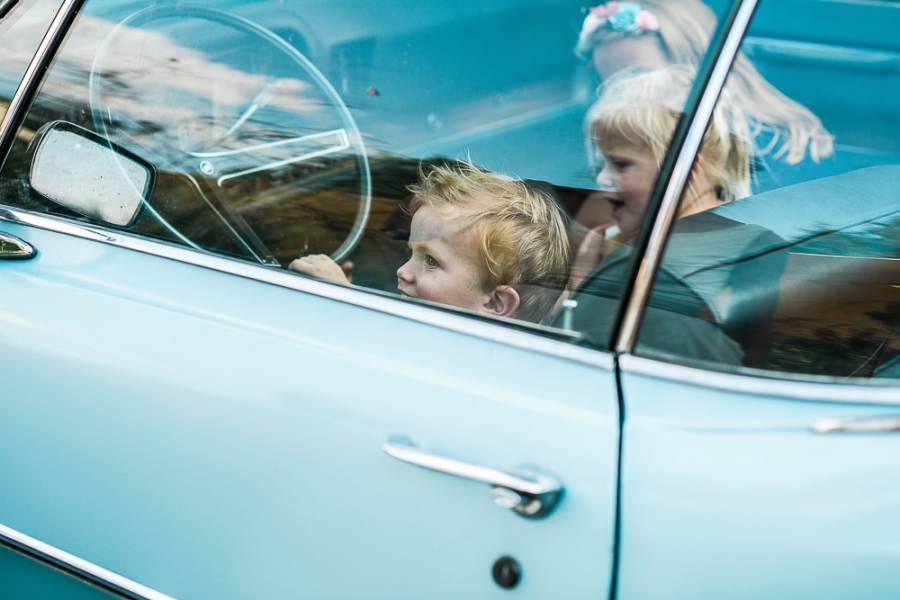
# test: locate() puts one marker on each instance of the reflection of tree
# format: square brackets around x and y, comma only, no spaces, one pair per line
[890,316]
[839,308]
[820,350]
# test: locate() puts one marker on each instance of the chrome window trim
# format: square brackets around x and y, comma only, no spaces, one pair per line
[640,291]
[765,384]
[350,295]
[6,6]
[78,566]
[31,80]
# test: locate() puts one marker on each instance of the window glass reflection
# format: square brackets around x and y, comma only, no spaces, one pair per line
[805,265]
[355,144]
[632,122]
[22,27]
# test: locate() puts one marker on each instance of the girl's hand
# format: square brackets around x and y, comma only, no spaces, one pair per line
[320,266]
[590,253]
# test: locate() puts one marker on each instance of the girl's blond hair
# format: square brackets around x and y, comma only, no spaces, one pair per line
[685,29]
[642,108]
[518,233]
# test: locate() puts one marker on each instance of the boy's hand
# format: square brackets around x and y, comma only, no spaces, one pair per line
[320,266]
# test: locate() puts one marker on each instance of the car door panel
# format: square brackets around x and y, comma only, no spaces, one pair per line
[730,494]
[212,436]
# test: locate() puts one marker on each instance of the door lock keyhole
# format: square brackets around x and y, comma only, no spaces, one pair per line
[507,572]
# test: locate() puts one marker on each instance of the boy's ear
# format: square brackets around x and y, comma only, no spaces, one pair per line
[503,301]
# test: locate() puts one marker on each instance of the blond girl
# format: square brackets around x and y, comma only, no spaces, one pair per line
[630,127]
[655,33]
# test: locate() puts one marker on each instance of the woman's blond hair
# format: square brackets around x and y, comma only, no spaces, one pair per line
[518,233]
[642,108]
[685,29]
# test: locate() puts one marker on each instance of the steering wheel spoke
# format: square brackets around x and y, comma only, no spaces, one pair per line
[232,164]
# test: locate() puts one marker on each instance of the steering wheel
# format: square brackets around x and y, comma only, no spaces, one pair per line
[232,132]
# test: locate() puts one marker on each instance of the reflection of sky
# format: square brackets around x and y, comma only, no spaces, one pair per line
[519,116]
[21,32]
[163,98]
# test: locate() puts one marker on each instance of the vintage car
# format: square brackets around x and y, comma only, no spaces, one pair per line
[183,416]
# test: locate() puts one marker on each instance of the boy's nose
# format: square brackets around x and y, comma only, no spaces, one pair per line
[606,181]
[404,273]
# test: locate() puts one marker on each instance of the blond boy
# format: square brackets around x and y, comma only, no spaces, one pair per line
[478,241]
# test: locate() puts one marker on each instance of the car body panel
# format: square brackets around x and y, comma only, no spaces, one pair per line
[728,494]
[208,435]
[213,435]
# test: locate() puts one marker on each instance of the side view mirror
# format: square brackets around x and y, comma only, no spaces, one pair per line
[87,174]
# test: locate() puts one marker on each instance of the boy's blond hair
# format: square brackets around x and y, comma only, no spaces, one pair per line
[642,108]
[518,233]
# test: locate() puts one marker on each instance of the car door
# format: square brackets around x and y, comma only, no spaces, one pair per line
[776,477]
[181,411]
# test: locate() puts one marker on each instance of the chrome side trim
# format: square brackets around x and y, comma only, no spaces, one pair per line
[819,389]
[870,425]
[6,6]
[33,76]
[644,279]
[367,299]
[78,566]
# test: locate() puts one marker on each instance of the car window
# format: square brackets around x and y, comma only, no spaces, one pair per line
[22,26]
[799,275]
[440,154]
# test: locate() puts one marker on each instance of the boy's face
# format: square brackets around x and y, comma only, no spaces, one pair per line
[441,267]
[626,181]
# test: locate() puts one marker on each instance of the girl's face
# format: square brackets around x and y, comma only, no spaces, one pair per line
[626,181]
[641,51]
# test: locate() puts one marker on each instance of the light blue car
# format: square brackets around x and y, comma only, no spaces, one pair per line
[709,410]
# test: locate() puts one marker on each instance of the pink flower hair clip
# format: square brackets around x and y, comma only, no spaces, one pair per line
[623,17]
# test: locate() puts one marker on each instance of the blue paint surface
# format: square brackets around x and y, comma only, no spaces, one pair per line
[728,495]
[211,436]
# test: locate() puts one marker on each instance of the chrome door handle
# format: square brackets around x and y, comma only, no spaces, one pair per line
[14,248]
[525,491]
[864,425]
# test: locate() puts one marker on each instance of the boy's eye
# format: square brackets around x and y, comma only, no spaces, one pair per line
[429,261]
